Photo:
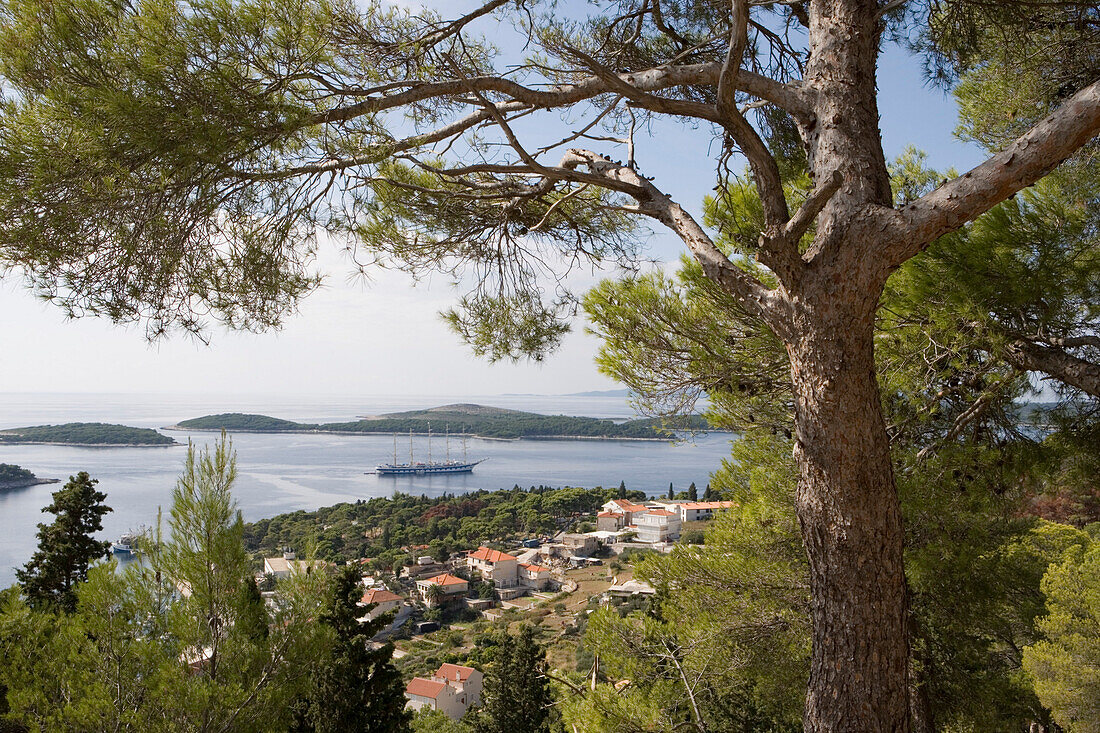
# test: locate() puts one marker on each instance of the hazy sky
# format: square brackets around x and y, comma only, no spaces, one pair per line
[385,336]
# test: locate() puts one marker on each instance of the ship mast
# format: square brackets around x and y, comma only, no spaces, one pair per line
[448,443]
[429,444]
[410,446]
[395,448]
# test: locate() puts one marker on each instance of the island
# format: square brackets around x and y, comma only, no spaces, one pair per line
[461,419]
[17,477]
[86,434]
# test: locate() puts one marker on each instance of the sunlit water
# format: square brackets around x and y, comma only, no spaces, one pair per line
[283,473]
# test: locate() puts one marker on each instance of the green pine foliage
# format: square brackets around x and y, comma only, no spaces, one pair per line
[379,528]
[517,694]
[1065,664]
[355,687]
[12,475]
[66,547]
[182,641]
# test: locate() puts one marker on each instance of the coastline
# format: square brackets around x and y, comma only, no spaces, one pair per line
[173,444]
[27,484]
[181,429]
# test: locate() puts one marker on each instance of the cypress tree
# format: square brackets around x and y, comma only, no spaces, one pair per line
[357,688]
[693,493]
[671,494]
[66,547]
[516,692]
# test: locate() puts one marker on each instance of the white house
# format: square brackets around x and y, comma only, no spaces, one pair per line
[422,693]
[451,690]
[466,682]
[533,576]
[385,600]
[622,507]
[695,511]
[657,525]
[287,565]
[453,588]
[498,567]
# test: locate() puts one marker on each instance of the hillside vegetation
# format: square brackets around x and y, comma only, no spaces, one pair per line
[85,433]
[13,477]
[488,422]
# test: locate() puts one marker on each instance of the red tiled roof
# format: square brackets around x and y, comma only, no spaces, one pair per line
[628,506]
[607,514]
[484,553]
[662,513]
[379,596]
[454,672]
[445,579]
[424,688]
[533,568]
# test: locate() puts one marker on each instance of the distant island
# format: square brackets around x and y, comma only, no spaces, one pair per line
[477,420]
[16,477]
[85,434]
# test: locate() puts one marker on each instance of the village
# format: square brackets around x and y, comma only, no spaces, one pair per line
[437,609]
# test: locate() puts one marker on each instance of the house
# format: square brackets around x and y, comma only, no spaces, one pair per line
[451,690]
[466,681]
[622,507]
[581,545]
[610,521]
[657,525]
[287,565]
[495,566]
[385,600]
[694,511]
[422,693]
[452,587]
[533,576]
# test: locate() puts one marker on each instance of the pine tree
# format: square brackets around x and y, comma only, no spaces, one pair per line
[517,693]
[66,547]
[357,688]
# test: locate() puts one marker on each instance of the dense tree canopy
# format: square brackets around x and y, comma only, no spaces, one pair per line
[172,161]
[66,547]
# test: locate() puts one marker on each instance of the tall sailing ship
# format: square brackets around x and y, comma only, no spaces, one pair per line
[419,468]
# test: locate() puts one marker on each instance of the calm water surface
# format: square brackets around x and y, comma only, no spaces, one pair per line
[284,473]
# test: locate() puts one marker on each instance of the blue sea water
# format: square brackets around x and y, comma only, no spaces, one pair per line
[284,473]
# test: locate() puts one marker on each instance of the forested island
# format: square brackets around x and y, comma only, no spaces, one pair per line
[86,434]
[17,477]
[476,420]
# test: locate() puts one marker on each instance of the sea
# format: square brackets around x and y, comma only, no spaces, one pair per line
[281,473]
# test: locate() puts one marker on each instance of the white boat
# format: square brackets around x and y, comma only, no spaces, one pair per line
[420,468]
[125,545]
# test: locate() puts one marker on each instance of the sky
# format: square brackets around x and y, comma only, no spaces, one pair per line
[384,335]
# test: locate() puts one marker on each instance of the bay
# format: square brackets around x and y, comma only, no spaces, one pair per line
[288,472]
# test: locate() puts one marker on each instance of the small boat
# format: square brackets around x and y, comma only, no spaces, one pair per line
[420,468]
[125,545]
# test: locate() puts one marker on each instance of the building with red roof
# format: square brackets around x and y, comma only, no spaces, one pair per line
[499,568]
[451,690]
[657,525]
[452,588]
[383,601]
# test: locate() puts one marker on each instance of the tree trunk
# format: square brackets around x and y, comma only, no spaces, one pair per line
[851,520]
